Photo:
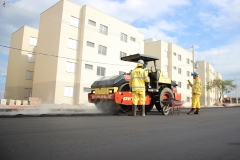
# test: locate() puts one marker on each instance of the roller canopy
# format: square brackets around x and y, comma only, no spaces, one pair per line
[136,57]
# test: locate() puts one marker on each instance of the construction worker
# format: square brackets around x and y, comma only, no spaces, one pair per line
[196,93]
[137,85]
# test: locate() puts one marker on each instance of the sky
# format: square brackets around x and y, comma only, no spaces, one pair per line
[211,26]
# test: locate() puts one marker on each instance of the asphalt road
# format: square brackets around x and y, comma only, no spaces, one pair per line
[214,134]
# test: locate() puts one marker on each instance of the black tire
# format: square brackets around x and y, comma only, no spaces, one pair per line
[164,94]
[125,108]
[148,108]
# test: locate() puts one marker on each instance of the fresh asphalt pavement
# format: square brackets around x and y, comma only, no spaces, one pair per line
[214,134]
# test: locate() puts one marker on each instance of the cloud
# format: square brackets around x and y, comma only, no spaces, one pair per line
[3,74]
[225,59]
[156,33]
[224,15]
[135,10]
[3,68]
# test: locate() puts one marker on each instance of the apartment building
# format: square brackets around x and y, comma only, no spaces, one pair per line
[178,63]
[76,45]
[20,70]
[208,73]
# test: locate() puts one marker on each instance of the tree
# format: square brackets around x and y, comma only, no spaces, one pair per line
[222,86]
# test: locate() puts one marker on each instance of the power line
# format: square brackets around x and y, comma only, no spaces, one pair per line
[45,54]
[61,56]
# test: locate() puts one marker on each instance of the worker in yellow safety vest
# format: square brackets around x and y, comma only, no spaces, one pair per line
[196,93]
[137,82]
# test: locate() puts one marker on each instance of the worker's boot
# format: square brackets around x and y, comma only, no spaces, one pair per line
[191,111]
[133,113]
[143,110]
[197,111]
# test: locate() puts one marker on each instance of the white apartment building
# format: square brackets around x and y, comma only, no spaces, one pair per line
[178,63]
[208,73]
[76,45]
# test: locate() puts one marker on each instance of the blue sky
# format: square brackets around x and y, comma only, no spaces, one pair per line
[212,26]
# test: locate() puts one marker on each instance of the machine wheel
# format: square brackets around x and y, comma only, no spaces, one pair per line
[164,94]
[148,108]
[125,108]
[165,110]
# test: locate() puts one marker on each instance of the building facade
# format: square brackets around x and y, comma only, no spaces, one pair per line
[20,72]
[76,45]
[178,63]
[208,73]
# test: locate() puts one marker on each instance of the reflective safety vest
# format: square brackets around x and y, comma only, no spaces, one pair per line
[137,79]
[196,86]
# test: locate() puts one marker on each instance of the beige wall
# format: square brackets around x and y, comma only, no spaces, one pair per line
[158,48]
[205,69]
[18,63]
[51,76]
[53,53]
[44,84]
[208,73]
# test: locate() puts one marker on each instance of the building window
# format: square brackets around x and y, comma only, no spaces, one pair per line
[179,57]
[103,29]
[179,71]
[132,39]
[102,50]
[174,67]
[29,75]
[68,91]
[90,44]
[88,66]
[166,54]
[72,43]
[188,61]
[121,72]
[188,73]
[31,58]
[33,41]
[123,54]
[188,86]
[188,99]
[180,84]
[91,22]
[174,53]
[85,89]
[165,69]
[123,37]
[70,67]
[100,71]
[27,92]
[74,21]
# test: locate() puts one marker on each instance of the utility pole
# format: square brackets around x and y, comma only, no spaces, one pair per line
[193,57]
